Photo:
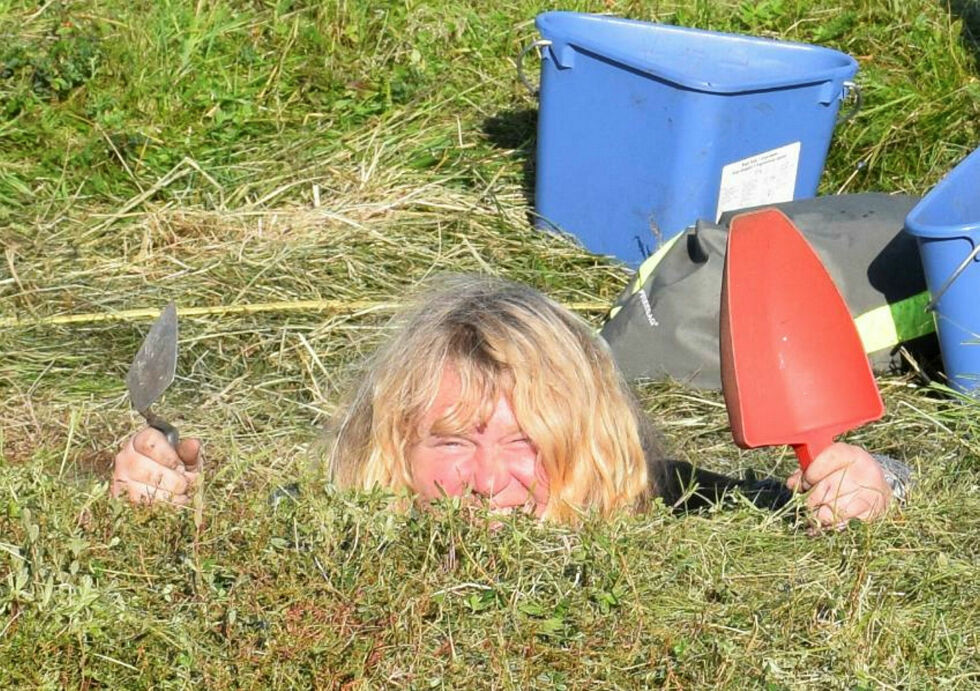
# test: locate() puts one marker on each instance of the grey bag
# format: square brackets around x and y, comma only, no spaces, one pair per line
[666,322]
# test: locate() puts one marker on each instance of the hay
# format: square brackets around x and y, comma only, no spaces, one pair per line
[287,175]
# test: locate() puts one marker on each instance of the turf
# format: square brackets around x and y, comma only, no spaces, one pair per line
[288,172]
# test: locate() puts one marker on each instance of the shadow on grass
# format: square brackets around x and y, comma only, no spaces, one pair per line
[969,12]
[516,130]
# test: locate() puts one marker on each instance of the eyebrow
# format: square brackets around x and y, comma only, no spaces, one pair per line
[451,425]
[512,435]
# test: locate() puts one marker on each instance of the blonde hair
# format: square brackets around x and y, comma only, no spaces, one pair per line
[502,338]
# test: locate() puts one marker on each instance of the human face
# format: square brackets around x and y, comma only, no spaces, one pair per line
[494,460]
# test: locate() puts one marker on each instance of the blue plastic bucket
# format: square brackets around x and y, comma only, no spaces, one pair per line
[946,223]
[644,128]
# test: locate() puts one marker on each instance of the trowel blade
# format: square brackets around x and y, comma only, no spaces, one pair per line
[793,367]
[155,364]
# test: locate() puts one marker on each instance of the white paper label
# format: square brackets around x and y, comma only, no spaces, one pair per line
[766,178]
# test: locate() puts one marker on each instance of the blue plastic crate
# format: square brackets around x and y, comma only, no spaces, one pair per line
[643,128]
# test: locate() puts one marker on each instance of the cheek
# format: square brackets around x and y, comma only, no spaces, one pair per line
[526,467]
[434,474]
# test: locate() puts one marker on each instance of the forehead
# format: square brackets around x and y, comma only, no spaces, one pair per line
[450,386]
[449,395]
[456,407]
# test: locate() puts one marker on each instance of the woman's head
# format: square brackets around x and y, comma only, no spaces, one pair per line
[489,386]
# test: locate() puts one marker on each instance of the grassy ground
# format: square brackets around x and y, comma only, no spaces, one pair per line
[245,153]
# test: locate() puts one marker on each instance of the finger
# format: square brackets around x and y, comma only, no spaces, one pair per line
[826,492]
[152,444]
[863,510]
[794,481]
[838,508]
[826,517]
[851,482]
[830,460]
[836,512]
[141,493]
[874,510]
[129,461]
[156,475]
[867,505]
[189,452]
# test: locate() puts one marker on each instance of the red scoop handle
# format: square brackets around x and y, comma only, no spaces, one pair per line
[811,448]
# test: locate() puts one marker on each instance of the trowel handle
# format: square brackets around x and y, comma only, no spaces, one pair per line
[169,431]
[811,448]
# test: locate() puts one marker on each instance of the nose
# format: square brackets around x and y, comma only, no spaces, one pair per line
[489,473]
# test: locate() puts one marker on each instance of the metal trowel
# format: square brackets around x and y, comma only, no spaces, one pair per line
[792,365]
[153,371]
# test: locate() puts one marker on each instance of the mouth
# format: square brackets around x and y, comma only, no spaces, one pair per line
[491,504]
[495,509]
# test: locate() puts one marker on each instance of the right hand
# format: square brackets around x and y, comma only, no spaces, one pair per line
[147,470]
[844,482]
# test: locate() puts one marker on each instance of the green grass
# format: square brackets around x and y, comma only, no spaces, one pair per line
[253,152]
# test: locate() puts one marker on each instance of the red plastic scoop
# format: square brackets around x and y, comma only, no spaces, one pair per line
[792,365]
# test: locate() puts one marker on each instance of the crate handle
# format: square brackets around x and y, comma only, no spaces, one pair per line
[520,64]
[956,274]
[850,88]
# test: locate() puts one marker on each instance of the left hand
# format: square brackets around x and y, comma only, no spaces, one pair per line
[843,482]
[148,470]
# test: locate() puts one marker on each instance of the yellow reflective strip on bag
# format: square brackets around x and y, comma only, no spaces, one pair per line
[877,329]
[645,271]
[651,262]
[889,325]
[911,318]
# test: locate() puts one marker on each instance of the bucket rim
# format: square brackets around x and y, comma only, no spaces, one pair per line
[545,23]
[969,231]
[914,225]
